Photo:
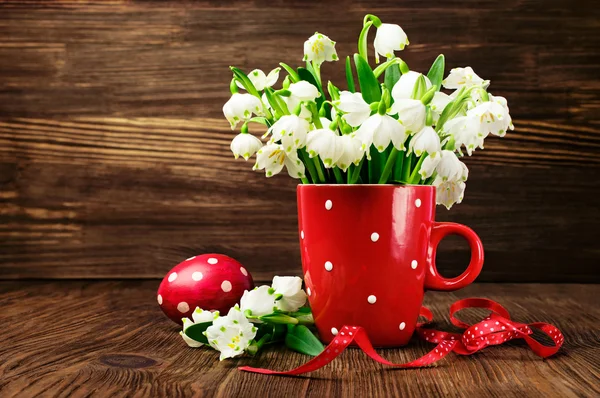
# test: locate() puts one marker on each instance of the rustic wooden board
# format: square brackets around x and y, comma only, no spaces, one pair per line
[110,339]
[114,156]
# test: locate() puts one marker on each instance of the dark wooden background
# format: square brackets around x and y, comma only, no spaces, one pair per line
[114,155]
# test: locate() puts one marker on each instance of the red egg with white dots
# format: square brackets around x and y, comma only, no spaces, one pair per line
[209,281]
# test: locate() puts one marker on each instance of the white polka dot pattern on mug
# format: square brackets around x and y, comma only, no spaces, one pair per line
[374,236]
[328,204]
[372,299]
[418,202]
[328,266]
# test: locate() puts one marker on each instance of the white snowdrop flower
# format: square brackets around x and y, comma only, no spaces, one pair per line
[466,132]
[389,38]
[326,144]
[429,164]
[300,91]
[198,316]
[405,85]
[411,113]
[492,117]
[290,289]
[502,101]
[260,80]
[459,77]
[355,109]
[241,107]
[259,301]
[319,48]
[449,167]
[380,130]
[438,104]
[425,141]
[465,172]
[352,151]
[245,145]
[272,158]
[448,192]
[231,334]
[291,130]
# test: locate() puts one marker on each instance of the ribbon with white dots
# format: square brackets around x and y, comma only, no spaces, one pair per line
[495,329]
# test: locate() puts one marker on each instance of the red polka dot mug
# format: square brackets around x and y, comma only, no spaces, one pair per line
[368,255]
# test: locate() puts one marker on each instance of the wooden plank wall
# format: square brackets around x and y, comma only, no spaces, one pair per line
[114,159]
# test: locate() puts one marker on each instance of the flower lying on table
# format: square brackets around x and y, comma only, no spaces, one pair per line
[266,314]
[399,129]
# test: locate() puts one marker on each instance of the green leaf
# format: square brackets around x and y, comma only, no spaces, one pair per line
[419,88]
[392,75]
[275,331]
[291,72]
[369,85]
[278,318]
[378,71]
[261,120]
[276,102]
[307,76]
[195,332]
[349,75]
[243,79]
[334,92]
[436,72]
[299,338]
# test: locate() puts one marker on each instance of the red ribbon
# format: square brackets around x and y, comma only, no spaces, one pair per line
[495,329]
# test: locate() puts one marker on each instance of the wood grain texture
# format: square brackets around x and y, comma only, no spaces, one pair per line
[111,339]
[114,159]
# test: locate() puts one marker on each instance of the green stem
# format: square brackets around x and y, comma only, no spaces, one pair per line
[397,173]
[257,345]
[319,169]
[309,165]
[388,166]
[338,175]
[304,180]
[415,177]
[355,175]
[406,168]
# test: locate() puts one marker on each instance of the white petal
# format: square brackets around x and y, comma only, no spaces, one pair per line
[425,141]
[304,91]
[190,342]
[259,301]
[461,77]
[411,113]
[258,79]
[389,38]
[287,285]
[272,77]
[429,164]
[201,316]
[405,85]
[319,48]
[245,145]
[295,167]
[352,152]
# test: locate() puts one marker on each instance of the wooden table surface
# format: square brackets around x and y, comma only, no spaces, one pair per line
[109,338]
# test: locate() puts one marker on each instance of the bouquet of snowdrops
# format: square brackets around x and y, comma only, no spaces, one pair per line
[392,125]
[265,315]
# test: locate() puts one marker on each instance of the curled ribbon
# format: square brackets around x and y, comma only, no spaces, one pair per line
[495,329]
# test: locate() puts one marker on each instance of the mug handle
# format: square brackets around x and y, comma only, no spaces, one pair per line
[433,280]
